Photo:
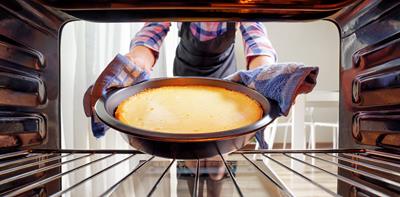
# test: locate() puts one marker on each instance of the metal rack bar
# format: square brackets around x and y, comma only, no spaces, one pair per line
[90,177]
[283,189]
[342,178]
[374,167]
[49,179]
[160,178]
[231,175]
[14,178]
[24,159]
[267,151]
[33,164]
[109,190]
[372,160]
[13,154]
[196,180]
[81,151]
[302,176]
[383,154]
[357,171]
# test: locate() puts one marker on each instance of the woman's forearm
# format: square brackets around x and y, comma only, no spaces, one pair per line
[260,60]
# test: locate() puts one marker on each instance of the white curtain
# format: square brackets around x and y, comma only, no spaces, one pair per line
[86,48]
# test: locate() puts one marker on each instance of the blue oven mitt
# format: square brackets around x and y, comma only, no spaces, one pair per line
[120,72]
[280,83]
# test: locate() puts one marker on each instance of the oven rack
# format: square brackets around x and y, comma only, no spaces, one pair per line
[363,164]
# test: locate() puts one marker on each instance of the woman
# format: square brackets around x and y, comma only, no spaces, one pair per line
[205,48]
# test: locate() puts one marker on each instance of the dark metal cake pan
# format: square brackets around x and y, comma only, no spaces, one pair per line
[185,145]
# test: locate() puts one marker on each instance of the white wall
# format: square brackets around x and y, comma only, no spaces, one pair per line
[312,43]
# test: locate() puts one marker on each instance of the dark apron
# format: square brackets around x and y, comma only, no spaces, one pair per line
[211,58]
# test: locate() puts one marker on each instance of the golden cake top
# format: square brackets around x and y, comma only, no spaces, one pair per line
[189,109]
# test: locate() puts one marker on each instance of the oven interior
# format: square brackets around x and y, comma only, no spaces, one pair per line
[367,162]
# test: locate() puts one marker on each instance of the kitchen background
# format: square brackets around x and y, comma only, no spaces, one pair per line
[86,48]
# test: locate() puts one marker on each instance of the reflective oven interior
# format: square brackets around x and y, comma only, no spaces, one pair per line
[367,163]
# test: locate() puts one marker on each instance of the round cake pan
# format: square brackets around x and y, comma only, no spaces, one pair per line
[182,146]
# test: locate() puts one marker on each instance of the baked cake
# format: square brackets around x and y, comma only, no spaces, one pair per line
[189,109]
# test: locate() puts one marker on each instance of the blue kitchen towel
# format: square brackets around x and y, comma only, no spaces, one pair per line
[119,73]
[280,82]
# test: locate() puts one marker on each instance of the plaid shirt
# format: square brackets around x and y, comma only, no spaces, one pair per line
[254,35]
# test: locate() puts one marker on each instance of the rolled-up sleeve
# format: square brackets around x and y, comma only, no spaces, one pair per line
[256,41]
[151,35]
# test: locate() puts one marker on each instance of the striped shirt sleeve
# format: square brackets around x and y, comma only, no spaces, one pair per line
[151,35]
[256,41]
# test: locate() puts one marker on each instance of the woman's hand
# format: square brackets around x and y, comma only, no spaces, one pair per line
[120,72]
[142,57]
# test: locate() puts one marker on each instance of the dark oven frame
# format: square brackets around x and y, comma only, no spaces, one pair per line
[30,32]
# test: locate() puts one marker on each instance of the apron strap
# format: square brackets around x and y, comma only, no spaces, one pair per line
[231,26]
[184,26]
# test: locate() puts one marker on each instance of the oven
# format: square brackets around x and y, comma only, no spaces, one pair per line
[367,162]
